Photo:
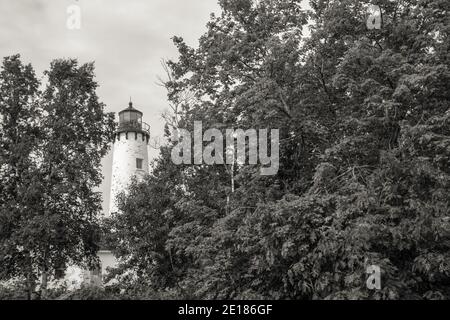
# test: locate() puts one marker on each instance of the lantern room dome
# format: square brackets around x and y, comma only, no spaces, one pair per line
[129,114]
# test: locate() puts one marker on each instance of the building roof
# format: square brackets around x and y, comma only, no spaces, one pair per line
[130,108]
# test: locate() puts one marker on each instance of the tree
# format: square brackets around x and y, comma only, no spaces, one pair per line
[56,217]
[143,249]
[19,133]
[364,153]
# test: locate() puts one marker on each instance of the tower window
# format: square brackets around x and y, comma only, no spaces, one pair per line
[139,163]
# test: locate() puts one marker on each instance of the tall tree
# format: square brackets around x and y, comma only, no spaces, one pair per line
[364,152]
[56,223]
[19,135]
[77,136]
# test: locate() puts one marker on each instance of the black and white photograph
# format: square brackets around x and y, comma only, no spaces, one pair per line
[237,151]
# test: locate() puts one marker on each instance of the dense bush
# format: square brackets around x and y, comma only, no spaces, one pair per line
[364,174]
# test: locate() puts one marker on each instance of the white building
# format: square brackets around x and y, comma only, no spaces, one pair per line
[130,160]
[130,153]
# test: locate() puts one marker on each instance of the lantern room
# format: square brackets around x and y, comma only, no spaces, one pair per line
[130,120]
[130,117]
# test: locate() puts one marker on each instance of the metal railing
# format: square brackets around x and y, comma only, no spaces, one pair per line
[134,125]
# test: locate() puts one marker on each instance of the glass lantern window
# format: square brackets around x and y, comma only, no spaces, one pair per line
[134,116]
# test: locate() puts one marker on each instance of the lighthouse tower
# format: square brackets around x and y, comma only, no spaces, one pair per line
[130,152]
[130,159]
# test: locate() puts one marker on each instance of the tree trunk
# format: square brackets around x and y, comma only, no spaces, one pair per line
[44,277]
[30,280]
[44,284]
[29,287]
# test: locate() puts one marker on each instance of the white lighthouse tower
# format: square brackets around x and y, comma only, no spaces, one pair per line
[130,159]
[130,153]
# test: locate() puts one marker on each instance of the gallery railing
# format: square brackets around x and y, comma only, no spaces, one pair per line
[134,125]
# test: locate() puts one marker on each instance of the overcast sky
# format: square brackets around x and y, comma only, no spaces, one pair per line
[126,38]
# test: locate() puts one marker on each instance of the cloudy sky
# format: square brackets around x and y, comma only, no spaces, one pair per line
[126,38]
